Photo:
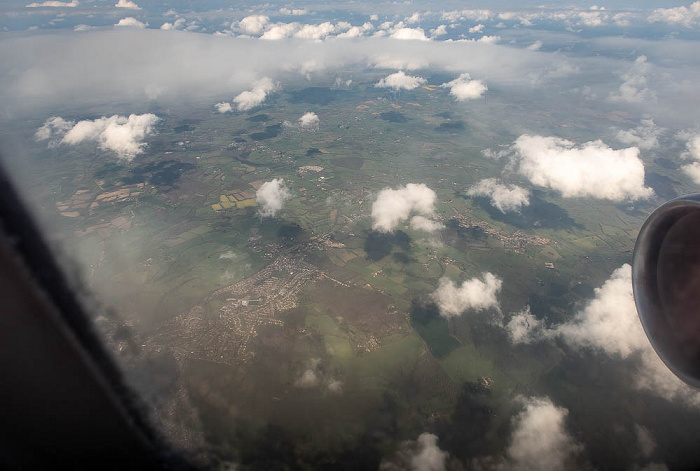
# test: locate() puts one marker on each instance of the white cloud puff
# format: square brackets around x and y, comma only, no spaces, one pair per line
[439,31]
[54,3]
[309,121]
[692,153]
[505,197]
[591,170]
[223,107]
[53,130]
[634,88]
[116,133]
[609,323]
[252,98]
[525,328]
[400,81]
[394,206]
[320,31]
[411,34]
[280,31]
[464,88]
[177,24]
[271,196]
[422,455]
[645,136]
[475,293]
[253,24]
[131,22]
[489,39]
[127,4]
[684,16]
[311,377]
[540,440]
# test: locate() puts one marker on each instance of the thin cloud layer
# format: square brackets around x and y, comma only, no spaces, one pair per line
[54,3]
[166,66]
[463,88]
[271,196]
[394,206]
[400,81]
[475,294]
[422,223]
[119,134]
[592,170]
[505,197]
[255,96]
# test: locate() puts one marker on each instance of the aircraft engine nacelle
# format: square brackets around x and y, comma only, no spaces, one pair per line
[666,282]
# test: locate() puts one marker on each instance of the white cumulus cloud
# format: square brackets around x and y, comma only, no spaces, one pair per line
[474,293]
[414,34]
[394,206]
[223,107]
[505,197]
[311,377]
[540,440]
[645,136]
[422,455]
[271,196]
[464,88]
[439,31]
[634,87]
[131,22]
[309,120]
[116,133]
[524,328]
[253,24]
[400,81]
[489,39]
[280,31]
[609,324]
[255,96]
[127,4]
[177,24]
[692,153]
[591,170]
[684,16]
[53,130]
